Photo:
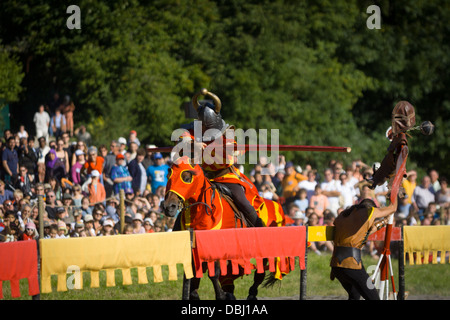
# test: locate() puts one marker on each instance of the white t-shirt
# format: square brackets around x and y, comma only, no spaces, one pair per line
[41,120]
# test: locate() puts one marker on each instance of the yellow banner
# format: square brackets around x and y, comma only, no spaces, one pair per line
[423,242]
[109,253]
[320,233]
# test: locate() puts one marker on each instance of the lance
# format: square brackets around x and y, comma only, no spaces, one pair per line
[256,147]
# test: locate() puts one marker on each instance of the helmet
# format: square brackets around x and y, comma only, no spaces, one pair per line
[403,117]
[209,114]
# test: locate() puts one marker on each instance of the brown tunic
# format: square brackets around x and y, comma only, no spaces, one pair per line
[351,231]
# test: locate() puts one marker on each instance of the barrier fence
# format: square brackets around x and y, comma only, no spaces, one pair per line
[58,257]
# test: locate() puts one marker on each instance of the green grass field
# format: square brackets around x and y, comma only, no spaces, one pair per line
[432,280]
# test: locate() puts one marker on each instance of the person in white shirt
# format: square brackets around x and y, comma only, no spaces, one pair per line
[331,189]
[309,184]
[42,122]
[348,193]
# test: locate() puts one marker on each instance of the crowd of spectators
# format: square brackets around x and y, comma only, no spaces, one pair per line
[81,183]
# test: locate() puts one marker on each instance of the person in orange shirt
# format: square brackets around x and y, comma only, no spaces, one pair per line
[291,180]
[94,162]
[96,189]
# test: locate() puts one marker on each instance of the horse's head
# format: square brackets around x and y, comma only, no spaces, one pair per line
[184,182]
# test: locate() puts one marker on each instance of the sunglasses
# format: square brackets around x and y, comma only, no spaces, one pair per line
[8,204]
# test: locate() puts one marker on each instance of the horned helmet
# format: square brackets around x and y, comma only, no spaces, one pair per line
[209,114]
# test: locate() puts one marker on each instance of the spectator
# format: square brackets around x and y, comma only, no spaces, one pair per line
[138,173]
[94,162]
[42,150]
[133,138]
[309,185]
[319,203]
[62,229]
[121,176]
[76,171]
[97,215]
[10,161]
[80,145]
[122,145]
[83,135]
[409,184]
[291,181]
[51,204]
[331,189]
[131,153]
[348,194]
[58,123]
[442,197]
[85,206]
[5,194]
[107,228]
[302,202]
[434,177]
[158,172]
[137,224]
[422,196]
[67,109]
[28,155]
[148,160]
[89,225]
[30,232]
[42,122]
[77,195]
[299,218]
[148,225]
[96,189]
[24,181]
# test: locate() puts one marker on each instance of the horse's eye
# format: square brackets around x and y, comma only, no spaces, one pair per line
[186,176]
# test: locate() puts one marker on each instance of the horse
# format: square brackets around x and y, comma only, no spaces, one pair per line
[200,206]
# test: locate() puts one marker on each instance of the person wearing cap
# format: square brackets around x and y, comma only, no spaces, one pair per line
[157,173]
[121,176]
[62,229]
[108,228]
[291,180]
[137,224]
[96,189]
[122,145]
[89,225]
[133,138]
[148,225]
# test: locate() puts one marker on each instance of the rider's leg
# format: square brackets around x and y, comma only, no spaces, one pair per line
[244,205]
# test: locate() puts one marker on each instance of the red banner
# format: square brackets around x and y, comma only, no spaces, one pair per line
[239,246]
[18,260]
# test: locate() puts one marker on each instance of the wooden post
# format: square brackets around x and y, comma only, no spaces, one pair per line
[41,210]
[303,272]
[122,210]
[401,268]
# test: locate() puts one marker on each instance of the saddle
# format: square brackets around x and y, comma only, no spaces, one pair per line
[226,194]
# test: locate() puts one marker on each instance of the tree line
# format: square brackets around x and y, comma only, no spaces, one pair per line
[311,69]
